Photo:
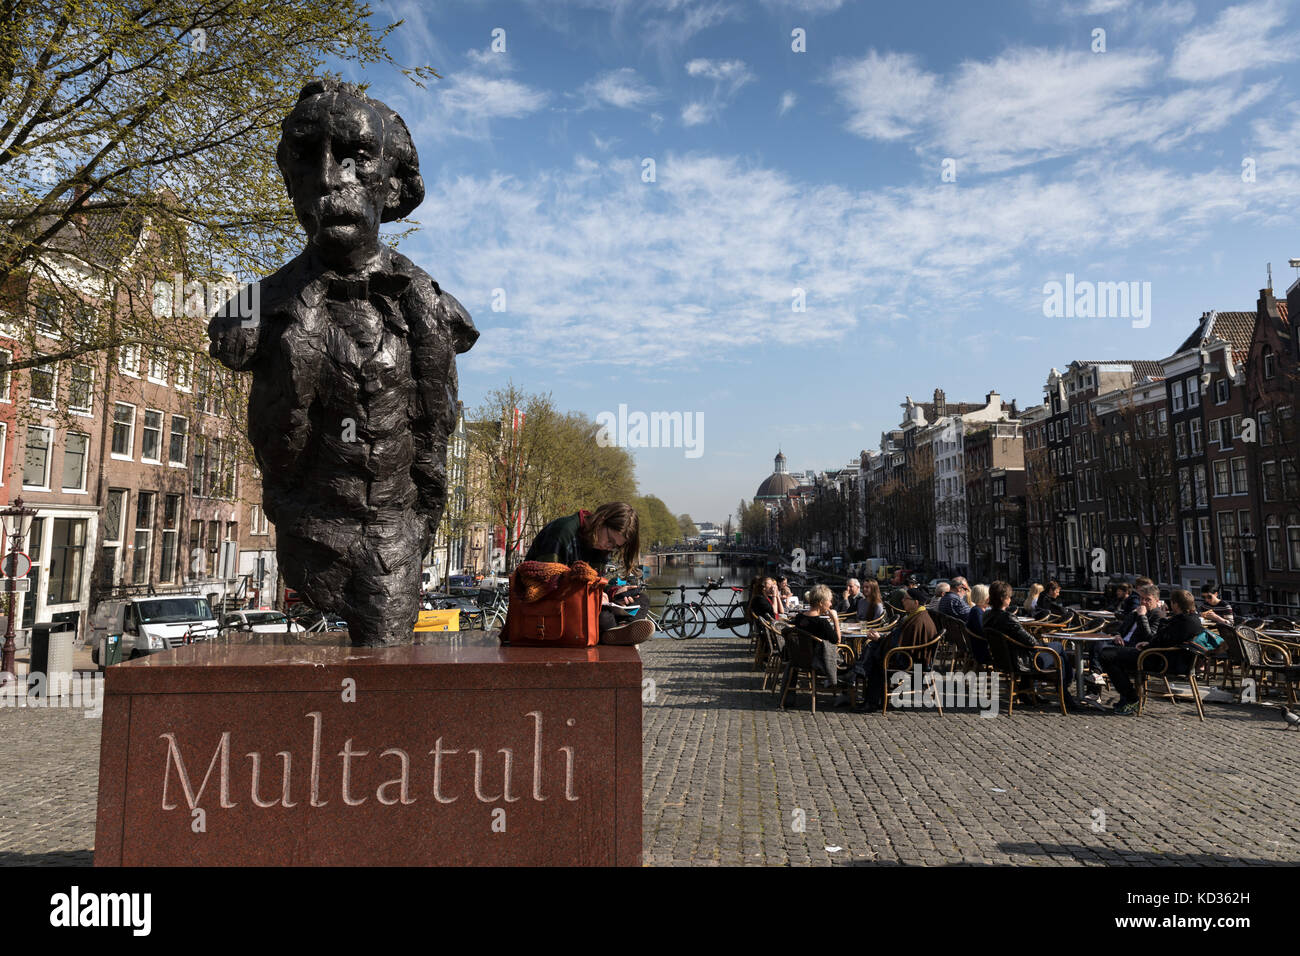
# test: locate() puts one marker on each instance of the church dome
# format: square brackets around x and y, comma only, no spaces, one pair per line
[776,485]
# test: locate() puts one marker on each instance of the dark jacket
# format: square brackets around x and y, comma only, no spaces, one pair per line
[812,646]
[1051,606]
[1139,625]
[975,620]
[560,542]
[1004,623]
[760,606]
[953,605]
[819,624]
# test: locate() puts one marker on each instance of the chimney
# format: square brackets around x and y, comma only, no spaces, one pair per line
[940,404]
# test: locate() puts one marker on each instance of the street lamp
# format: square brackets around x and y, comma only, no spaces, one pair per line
[21,525]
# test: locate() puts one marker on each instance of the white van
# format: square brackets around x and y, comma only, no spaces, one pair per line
[150,624]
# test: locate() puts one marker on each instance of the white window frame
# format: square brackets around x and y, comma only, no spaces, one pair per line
[80,489]
[84,411]
[54,385]
[1193,392]
[183,373]
[128,360]
[156,358]
[6,378]
[1176,396]
[185,443]
[130,456]
[1220,391]
[4,444]
[144,427]
[49,457]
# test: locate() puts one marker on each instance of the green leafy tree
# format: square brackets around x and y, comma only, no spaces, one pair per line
[687,526]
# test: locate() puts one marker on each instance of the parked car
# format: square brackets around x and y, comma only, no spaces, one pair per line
[150,624]
[261,622]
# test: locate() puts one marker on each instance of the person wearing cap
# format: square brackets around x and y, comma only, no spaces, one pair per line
[918,627]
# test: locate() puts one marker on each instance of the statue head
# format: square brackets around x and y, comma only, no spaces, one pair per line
[349,164]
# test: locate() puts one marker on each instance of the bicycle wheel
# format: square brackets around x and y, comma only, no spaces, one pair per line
[677,622]
[699,618]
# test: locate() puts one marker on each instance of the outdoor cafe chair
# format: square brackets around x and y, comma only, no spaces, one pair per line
[905,657]
[1018,663]
[1167,662]
[773,665]
[1269,660]
[802,654]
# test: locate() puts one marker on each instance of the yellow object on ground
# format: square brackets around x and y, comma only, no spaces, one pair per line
[438,620]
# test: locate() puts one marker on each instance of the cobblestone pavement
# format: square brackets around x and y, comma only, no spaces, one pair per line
[728,775]
[726,771]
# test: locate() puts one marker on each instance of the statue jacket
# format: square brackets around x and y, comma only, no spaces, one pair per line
[353,391]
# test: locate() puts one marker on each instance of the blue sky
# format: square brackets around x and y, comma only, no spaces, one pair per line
[822,170]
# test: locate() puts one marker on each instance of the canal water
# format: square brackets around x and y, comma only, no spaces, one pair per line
[695,577]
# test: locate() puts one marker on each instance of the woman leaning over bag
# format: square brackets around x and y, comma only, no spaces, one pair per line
[601,537]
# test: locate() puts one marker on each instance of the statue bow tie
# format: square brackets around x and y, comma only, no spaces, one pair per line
[377,283]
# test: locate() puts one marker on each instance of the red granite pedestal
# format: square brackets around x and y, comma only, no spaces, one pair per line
[458,752]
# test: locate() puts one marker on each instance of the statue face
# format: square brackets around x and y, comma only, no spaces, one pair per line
[339,179]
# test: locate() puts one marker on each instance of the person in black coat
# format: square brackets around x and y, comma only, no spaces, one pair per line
[1000,619]
[1120,660]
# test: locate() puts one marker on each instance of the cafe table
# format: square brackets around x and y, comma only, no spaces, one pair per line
[1079,640]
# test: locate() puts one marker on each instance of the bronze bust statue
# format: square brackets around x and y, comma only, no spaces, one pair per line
[353,354]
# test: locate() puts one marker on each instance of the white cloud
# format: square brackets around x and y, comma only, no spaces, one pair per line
[1242,38]
[470,101]
[1029,105]
[883,93]
[788,101]
[728,76]
[622,89]
[707,257]
[489,58]
[805,6]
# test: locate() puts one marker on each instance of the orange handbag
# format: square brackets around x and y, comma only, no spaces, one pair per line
[568,618]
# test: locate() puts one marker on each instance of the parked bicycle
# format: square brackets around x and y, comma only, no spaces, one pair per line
[684,619]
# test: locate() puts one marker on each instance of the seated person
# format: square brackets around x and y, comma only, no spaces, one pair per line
[820,619]
[597,537]
[873,608]
[954,603]
[918,628]
[765,599]
[1050,601]
[941,591]
[788,600]
[1001,620]
[1213,608]
[979,596]
[1119,660]
[1030,607]
[1121,605]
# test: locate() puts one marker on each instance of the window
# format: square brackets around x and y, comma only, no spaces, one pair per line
[1196,436]
[1185,487]
[6,357]
[1225,434]
[1180,439]
[1176,396]
[123,430]
[128,360]
[1265,422]
[1189,542]
[157,367]
[1201,497]
[1240,477]
[1207,540]
[151,436]
[143,536]
[36,460]
[162,298]
[1271,480]
[81,389]
[1270,362]
[1163,419]
[1193,392]
[4,435]
[114,509]
[1273,543]
[43,382]
[1222,479]
[1228,547]
[176,447]
[75,447]
[1214,431]
[171,527]
[1293,540]
[183,371]
[1236,427]
[67,557]
[197,465]
[1221,391]
[47,314]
